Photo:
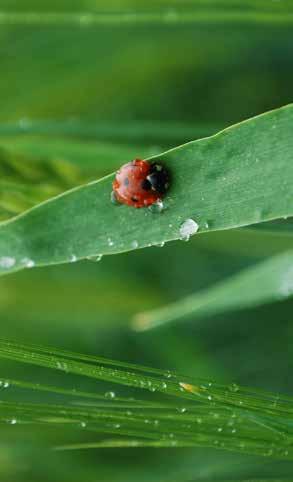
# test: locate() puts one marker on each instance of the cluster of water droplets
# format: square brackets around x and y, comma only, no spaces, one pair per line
[4,384]
[62,366]
[8,262]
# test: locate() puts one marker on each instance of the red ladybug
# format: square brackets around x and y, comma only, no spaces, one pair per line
[140,183]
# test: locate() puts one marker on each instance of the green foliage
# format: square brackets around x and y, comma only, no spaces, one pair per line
[87,85]
[220,181]
[203,414]
[266,282]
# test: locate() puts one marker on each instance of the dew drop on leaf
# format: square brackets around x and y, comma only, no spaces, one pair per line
[182,410]
[234,387]
[27,262]
[160,245]
[110,395]
[95,258]
[168,374]
[114,199]
[7,262]
[187,229]
[157,207]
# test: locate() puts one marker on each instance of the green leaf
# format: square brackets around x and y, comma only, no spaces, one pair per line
[266,282]
[241,176]
[202,414]
[149,14]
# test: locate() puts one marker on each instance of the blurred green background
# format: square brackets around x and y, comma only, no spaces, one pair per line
[117,92]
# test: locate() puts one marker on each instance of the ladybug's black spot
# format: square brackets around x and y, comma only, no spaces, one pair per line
[126,181]
[146,185]
[134,199]
[158,178]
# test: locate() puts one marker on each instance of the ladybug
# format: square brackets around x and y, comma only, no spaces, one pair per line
[140,183]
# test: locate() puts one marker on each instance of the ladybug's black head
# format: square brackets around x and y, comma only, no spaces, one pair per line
[158,178]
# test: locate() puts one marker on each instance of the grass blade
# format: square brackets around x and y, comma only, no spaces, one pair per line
[229,180]
[266,282]
[203,414]
[161,16]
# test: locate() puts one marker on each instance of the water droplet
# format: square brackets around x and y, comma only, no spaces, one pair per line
[160,245]
[209,397]
[182,410]
[13,421]
[157,207]
[110,242]
[110,395]
[168,374]
[234,387]
[4,384]
[114,199]
[95,258]
[156,422]
[7,262]
[83,424]
[187,229]
[27,262]
[62,366]
[73,258]
[220,429]
[117,425]
[134,244]
[164,385]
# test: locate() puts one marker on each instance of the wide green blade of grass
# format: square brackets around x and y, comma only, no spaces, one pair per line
[241,176]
